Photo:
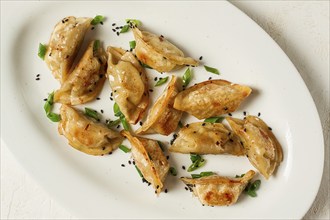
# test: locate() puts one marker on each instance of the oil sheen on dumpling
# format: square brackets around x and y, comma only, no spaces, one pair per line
[216,190]
[64,44]
[163,118]
[211,98]
[86,135]
[86,80]
[159,53]
[262,148]
[207,138]
[149,159]
[129,83]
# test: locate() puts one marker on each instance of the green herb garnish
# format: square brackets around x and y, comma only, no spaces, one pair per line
[116,110]
[42,51]
[124,148]
[92,113]
[186,77]
[240,176]
[139,171]
[251,188]
[124,123]
[202,174]
[97,20]
[54,117]
[161,81]
[134,21]
[111,124]
[180,124]
[96,46]
[211,70]
[197,161]
[132,44]
[161,145]
[173,171]
[144,65]
[214,119]
[124,29]
[195,157]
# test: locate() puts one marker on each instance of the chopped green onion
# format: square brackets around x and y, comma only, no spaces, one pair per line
[214,119]
[124,29]
[162,81]
[145,65]
[211,70]
[124,148]
[124,123]
[195,157]
[180,124]
[42,51]
[111,124]
[134,21]
[97,20]
[139,171]
[186,77]
[54,117]
[116,110]
[197,164]
[173,171]
[202,174]
[251,188]
[161,145]
[240,176]
[132,44]
[96,46]
[92,113]
[48,104]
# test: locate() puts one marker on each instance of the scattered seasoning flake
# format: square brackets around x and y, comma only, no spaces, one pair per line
[124,148]
[98,19]
[161,81]
[186,78]
[214,119]
[124,29]
[92,113]
[132,44]
[173,171]
[211,70]
[42,51]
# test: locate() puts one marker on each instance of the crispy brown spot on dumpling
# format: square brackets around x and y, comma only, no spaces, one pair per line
[211,98]
[163,118]
[159,53]
[129,82]
[86,80]
[150,160]
[217,190]
[207,138]
[64,44]
[262,147]
[86,135]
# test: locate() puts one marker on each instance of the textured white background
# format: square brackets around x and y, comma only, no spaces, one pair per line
[301,28]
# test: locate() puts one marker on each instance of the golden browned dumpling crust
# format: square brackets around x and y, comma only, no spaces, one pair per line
[86,135]
[159,53]
[207,138]
[217,190]
[64,45]
[150,160]
[211,98]
[129,83]
[262,147]
[87,79]
[163,118]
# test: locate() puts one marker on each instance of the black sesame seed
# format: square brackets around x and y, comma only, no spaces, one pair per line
[225,108]
[230,114]
[165,191]
[111,94]
[217,143]
[45,99]
[97,98]
[229,133]
[111,99]
[167,157]
[101,23]
[186,188]
[38,75]
[155,78]
[115,91]
[113,24]
[114,30]
[102,111]
[133,162]
[110,153]
[201,57]
[90,90]
[118,126]
[231,140]
[244,113]
[117,33]
[162,36]
[131,49]
[123,165]
[203,124]
[129,162]
[269,128]
[149,184]
[141,123]
[155,191]
[210,78]
[183,167]
[38,78]
[187,125]
[98,120]
[244,129]
[150,90]
[92,28]
[259,114]
[117,28]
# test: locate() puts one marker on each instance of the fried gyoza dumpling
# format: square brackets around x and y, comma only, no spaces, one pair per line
[150,160]
[207,138]
[129,83]
[86,80]
[163,118]
[64,44]
[217,190]
[158,53]
[211,98]
[86,135]
[261,146]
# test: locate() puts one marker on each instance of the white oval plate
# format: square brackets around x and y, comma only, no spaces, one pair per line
[98,187]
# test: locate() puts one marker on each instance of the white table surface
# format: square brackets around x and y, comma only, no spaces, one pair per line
[301,28]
